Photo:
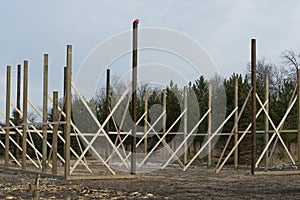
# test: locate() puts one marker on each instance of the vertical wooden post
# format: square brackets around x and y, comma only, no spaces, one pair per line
[19,108]
[7,130]
[45,113]
[24,126]
[54,135]
[236,129]
[145,122]
[64,107]
[267,120]
[107,98]
[65,81]
[185,131]
[298,106]
[68,110]
[253,98]
[209,127]
[164,128]
[134,97]
[165,110]
[107,108]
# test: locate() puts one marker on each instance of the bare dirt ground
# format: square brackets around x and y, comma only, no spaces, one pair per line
[171,183]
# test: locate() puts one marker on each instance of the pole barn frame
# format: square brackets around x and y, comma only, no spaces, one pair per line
[39,160]
[80,165]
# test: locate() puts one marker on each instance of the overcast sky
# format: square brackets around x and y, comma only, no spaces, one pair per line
[224,28]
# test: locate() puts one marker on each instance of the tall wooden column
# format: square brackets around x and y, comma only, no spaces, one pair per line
[45,113]
[54,136]
[209,126]
[134,95]
[253,98]
[24,126]
[185,128]
[18,122]
[145,122]
[68,110]
[298,106]
[267,120]
[107,98]
[236,129]
[7,115]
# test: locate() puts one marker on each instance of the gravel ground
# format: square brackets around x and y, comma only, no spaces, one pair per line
[171,183]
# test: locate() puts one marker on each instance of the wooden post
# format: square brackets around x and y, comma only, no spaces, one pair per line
[267,120]
[19,108]
[7,130]
[236,122]
[24,126]
[298,106]
[45,113]
[65,81]
[209,127]
[68,111]
[64,107]
[165,110]
[164,128]
[54,135]
[107,107]
[134,97]
[253,83]
[145,122]
[107,98]
[185,131]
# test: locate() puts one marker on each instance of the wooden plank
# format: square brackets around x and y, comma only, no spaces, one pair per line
[100,177]
[69,178]
[20,171]
[296,172]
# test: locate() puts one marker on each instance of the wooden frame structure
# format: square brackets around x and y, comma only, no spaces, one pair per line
[32,136]
[79,166]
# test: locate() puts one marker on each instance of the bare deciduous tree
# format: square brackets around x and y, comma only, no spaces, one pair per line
[290,58]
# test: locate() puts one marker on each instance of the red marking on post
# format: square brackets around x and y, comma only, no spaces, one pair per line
[136,21]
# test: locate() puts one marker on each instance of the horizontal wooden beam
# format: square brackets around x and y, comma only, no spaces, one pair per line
[99,177]
[20,171]
[69,178]
[294,172]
